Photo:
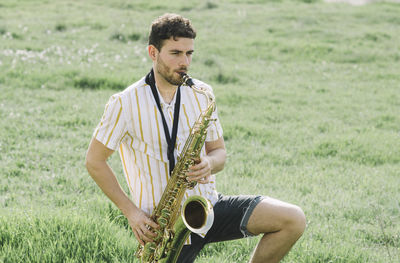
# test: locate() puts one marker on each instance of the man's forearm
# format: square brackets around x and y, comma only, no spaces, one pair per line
[217,158]
[104,177]
[137,219]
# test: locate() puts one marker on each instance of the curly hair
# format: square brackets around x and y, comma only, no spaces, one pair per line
[170,25]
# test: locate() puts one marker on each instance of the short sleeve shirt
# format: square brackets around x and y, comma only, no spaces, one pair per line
[132,124]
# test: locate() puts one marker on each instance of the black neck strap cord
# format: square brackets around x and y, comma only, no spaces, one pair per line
[171,140]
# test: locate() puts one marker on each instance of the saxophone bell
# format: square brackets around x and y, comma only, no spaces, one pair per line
[197,214]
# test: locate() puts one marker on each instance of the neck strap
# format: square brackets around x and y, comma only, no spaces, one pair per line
[171,140]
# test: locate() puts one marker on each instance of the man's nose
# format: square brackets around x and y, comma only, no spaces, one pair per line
[185,61]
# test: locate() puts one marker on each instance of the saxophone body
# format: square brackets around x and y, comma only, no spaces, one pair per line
[196,214]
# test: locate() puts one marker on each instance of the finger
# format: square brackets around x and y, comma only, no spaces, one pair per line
[199,174]
[196,167]
[146,232]
[199,165]
[151,223]
[138,238]
[150,234]
[196,178]
[143,236]
[203,170]
[193,169]
[147,239]
[192,173]
[205,180]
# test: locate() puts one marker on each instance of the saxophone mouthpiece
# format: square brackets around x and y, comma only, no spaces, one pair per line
[186,79]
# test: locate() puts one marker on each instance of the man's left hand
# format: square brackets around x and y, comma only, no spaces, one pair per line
[201,171]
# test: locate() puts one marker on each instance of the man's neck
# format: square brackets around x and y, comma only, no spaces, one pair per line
[166,89]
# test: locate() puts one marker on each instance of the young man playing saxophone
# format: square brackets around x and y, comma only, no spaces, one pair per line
[135,125]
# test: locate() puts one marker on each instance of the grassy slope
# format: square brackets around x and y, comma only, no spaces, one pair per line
[307,94]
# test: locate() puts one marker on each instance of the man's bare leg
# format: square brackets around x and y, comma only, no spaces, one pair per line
[282,225]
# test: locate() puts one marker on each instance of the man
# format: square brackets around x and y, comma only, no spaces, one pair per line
[143,122]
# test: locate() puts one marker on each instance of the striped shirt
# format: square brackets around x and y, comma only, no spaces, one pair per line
[132,124]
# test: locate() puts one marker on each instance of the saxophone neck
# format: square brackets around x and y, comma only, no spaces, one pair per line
[202,90]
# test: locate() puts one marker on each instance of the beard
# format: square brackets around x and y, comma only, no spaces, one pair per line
[168,74]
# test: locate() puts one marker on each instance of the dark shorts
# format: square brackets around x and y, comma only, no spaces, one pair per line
[231,215]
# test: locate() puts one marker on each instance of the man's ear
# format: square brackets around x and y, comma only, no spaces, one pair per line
[153,52]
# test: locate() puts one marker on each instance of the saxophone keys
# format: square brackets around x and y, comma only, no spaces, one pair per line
[170,203]
[159,233]
[165,213]
[191,185]
[163,222]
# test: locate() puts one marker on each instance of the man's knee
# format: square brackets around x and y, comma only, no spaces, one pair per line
[296,221]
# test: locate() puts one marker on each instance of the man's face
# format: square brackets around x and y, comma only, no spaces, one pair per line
[174,57]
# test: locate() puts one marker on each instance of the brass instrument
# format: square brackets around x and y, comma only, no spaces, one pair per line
[196,214]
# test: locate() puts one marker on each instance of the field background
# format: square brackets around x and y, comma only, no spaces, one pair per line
[308,94]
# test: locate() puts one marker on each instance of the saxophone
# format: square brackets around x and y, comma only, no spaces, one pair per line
[196,214]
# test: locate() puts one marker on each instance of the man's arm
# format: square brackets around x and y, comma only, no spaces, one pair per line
[217,154]
[100,171]
[212,163]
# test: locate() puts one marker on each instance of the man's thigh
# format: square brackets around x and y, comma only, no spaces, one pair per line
[270,215]
[232,214]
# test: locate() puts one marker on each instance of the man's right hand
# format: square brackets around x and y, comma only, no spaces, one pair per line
[141,225]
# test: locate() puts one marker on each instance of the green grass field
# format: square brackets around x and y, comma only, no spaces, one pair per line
[308,95]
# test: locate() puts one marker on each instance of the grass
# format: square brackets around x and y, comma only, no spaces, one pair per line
[63,238]
[307,93]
